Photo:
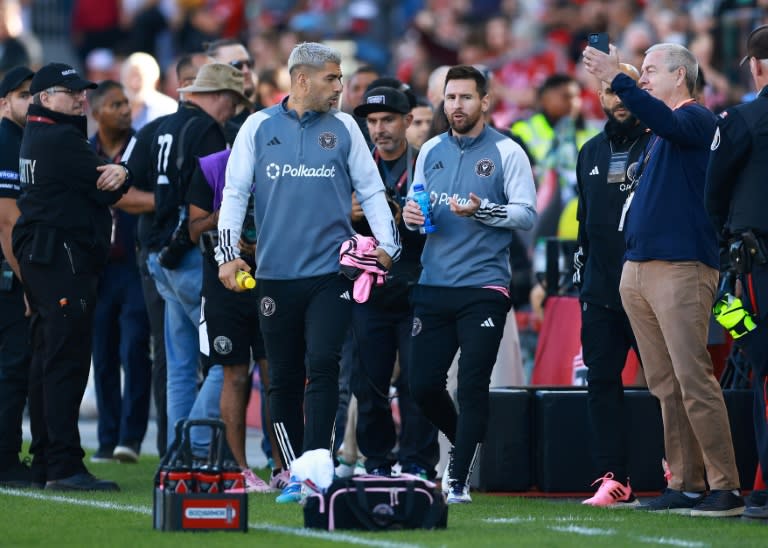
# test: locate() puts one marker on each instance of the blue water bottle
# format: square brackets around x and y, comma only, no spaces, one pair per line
[421,197]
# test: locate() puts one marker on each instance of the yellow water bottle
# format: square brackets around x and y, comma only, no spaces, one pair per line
[245,280]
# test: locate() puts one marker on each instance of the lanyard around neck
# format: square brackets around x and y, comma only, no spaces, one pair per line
[407,174]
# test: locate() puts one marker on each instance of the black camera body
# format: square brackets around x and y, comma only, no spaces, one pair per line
[171,255]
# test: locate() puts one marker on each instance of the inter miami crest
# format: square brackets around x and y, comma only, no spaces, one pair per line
[268,306]
[416,327]
[327,140]
[484,167]
[222,345]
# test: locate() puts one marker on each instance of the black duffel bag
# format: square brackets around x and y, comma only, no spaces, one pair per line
[375,503]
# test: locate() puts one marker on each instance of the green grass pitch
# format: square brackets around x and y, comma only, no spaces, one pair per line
[116,520]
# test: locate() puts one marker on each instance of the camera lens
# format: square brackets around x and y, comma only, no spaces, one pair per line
[593,39]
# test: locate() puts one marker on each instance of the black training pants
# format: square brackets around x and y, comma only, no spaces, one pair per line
[304,323]
[14,372]
[62,294]
[606,337]
[445,320]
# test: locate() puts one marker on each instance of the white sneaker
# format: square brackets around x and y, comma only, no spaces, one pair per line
[126,453]
[458,494]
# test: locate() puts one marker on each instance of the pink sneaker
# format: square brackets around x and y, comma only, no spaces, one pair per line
[612,494]
[279,481]
[253,484]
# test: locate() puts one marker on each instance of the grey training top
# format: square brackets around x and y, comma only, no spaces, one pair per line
[474,251]
[302,173]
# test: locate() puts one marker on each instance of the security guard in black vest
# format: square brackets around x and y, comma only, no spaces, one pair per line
[14,325]
[737,201]
[62,241]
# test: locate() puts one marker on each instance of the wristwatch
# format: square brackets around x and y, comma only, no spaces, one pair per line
[127,172]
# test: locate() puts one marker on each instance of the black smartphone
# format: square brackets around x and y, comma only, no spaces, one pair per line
[599,40]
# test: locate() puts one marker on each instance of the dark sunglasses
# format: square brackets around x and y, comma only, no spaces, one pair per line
[238,64]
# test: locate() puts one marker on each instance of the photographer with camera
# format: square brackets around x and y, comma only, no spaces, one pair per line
[736,201]
[195,130]
[382,325]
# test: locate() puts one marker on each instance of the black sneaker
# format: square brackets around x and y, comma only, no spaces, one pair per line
[38,471]
[16,475]
[758,497]
[758,513]
[415,470]
[104,454]
[84,481]
[720,503]
[672,501]
[383,471]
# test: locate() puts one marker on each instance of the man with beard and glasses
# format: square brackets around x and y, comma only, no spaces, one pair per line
[301,160]
[482,189]
[231,52]
[604,172]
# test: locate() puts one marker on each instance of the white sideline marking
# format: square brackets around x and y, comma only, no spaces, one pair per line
[588,531]
[673,542]
[103,505]
[509,520]
[564,519]
[327,535]
[147,511]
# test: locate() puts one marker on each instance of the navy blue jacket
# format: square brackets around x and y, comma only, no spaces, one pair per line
[668,220]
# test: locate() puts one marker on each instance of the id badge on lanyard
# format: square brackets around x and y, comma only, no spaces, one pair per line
[633,176]
[617,167]
[634,171]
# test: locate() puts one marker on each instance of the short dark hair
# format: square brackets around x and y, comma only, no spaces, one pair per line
[186,60]
[96,96]
[366,68]
[210,48]
[554,81]
[468,72]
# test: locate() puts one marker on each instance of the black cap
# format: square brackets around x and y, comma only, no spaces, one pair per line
[59,74]
[383,99]
[14,78]
[757,44]
[390,82]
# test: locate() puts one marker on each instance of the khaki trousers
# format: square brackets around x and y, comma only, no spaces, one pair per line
[669,305]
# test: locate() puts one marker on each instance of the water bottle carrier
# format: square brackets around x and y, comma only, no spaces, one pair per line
[189,494]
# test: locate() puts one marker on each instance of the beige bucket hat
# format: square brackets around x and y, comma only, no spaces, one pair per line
[214,77]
